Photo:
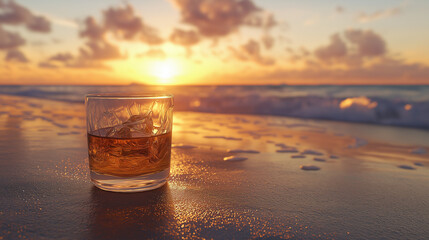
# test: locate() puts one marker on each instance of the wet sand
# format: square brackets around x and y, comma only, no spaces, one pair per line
[232,176]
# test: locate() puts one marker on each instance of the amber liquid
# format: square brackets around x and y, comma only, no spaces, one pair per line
[128,157]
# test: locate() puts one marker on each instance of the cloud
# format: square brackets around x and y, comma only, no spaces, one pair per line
[62,57]
[92,29]
[264,20]
[153,53]
[352,48]
[68,60]
[369,43]
[251,51]
[336,49]
[340,9]
[100,50]
[83,63]
[219,18]
[351,56]
[15,55]
[97,47]
[123,22]
[10,40]
[39,24]
[61,21]
[47,65]
[268,41]
[15,14]
[58,60]
[365,17]
[299,54]
[184,38]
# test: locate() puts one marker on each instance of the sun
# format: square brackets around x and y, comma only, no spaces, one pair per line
[165,70]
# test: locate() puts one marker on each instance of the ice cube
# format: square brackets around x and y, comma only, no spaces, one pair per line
[123,132]
[140,125]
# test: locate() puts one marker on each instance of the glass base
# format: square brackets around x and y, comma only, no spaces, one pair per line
[130,184]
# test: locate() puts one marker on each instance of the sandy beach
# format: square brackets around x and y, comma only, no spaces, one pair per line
[232,176]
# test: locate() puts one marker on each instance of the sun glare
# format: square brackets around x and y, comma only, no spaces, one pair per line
[165,70]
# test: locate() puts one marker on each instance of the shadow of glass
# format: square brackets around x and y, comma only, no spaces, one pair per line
[132,215]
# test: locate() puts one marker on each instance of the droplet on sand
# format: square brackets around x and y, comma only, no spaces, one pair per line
[333,156]
[234,159]
[319,159]
[309,167]
[419,164]
[407,167]
[297,156]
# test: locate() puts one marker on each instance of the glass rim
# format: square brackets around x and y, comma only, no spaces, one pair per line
[129,95]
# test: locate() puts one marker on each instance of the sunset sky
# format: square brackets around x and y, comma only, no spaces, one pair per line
[214,42]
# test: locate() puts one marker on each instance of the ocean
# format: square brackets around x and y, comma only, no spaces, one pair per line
[406,106]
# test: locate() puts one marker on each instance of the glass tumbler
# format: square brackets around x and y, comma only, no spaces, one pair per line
[129,140]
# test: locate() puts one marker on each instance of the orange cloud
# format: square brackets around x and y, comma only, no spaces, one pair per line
[184,38]
[352,48]
[16,55]
[251,51]
[123,22]
[153,53]
[15,14]
[9,40]
[219,18]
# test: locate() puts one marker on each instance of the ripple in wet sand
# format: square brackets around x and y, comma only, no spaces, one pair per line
[406,167]
[243,151]
[234,159]
[319,159]
[287,150]
[312,152]
[309,167]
